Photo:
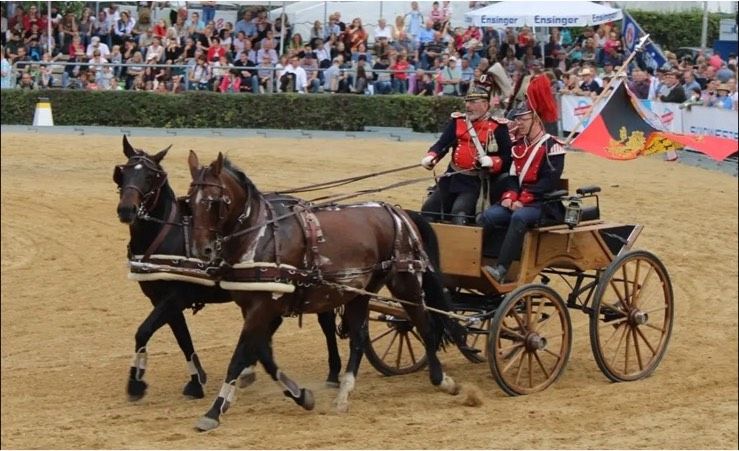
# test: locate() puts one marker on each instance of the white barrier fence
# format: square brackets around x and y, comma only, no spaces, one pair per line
[698,120]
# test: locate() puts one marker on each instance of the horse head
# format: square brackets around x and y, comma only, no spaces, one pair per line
[220,199]
[139,181]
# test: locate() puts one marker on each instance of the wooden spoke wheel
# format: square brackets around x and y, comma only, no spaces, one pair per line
[394,346]
[530,340]
[632,316]
[477,333]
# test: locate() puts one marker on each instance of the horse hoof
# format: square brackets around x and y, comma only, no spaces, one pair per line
[308,401]
[332,384]
[136,389]
[246,380]
[207,424]
[193,390]
[342,407]
[449,386]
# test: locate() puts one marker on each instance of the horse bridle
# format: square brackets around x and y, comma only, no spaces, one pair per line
[147,203]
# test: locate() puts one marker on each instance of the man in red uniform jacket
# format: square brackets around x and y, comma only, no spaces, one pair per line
[481,146]
[538,162]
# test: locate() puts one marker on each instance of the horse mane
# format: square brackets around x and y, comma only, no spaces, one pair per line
[238,174]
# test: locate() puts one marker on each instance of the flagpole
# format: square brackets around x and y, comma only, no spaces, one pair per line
[602,94]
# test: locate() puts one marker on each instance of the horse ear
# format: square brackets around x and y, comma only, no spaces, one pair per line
[217,165]
[128,149]
[158,157]
[194,164]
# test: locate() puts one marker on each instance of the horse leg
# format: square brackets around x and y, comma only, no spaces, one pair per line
[408,286]
[227,395]
[355,317]
[194,388]
[302,396]
[248,375]
[327,320]
[156,319]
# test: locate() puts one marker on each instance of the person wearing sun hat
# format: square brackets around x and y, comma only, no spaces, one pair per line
[722,98]
[536,168]
[480,145]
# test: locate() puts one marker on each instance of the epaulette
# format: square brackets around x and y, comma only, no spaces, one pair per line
[558,140]
[500,120]
[457,114]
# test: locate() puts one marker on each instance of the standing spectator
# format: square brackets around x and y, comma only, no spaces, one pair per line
[722,98]
[589,85]
[400,74]
[675,92]
[437,16]
[452,75]
[639,83]
[689,82]
[415,22]
[209,10]
[246,25]
[7,80]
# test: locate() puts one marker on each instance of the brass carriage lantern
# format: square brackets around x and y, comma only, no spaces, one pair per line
[573,212]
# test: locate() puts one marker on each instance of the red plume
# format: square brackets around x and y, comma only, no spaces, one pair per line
[541,98]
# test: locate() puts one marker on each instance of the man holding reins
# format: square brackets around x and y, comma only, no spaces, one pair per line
[481,146]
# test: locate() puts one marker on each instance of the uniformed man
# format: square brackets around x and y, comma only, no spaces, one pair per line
[538,162]
[480,145]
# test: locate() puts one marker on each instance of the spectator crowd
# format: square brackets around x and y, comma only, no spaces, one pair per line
[163,47]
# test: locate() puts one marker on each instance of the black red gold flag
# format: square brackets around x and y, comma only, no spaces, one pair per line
[620,132]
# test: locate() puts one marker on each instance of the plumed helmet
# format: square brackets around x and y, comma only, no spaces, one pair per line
[480,90]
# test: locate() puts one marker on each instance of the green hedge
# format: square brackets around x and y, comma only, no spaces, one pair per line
[215,110]
[679,29]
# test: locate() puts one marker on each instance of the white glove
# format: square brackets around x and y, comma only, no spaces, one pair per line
[486,161]
[429,163]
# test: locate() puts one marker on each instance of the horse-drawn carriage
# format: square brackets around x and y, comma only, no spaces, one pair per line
[523,328]
[274,255]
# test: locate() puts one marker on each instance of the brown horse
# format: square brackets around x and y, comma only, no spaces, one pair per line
[156,223]
[306,259]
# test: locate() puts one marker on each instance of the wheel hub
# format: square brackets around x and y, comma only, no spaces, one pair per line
[535,342]
[638,318]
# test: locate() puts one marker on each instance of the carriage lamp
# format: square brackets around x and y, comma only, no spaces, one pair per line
[573,212]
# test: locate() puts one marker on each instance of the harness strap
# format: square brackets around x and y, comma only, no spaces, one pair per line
[162,233]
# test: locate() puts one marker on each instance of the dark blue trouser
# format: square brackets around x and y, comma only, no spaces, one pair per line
[517,221]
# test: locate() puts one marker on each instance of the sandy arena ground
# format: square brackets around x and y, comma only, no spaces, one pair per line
[69,316]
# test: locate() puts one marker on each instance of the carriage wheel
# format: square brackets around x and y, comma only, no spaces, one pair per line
[394,346]
[632,316]
[476,338]
[530,340]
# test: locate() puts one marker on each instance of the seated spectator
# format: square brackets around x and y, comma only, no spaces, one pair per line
[333,76]
[199,75]
[725,72]
[95,44]
[266,75]
[689,81]
[221,68]
[381,79]
[425,85]
[231,82]
[400,67]
[26,82]
[310,66]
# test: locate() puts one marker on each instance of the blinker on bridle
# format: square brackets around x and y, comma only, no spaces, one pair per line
[146,198]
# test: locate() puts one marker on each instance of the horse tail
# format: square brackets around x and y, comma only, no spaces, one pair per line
[445,328]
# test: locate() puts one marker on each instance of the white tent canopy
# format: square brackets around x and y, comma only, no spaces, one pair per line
[542,14]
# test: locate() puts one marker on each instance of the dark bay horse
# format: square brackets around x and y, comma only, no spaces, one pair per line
[312,259]
[144,189]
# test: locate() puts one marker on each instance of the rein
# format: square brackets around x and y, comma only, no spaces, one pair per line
[331,200]
[341,182]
